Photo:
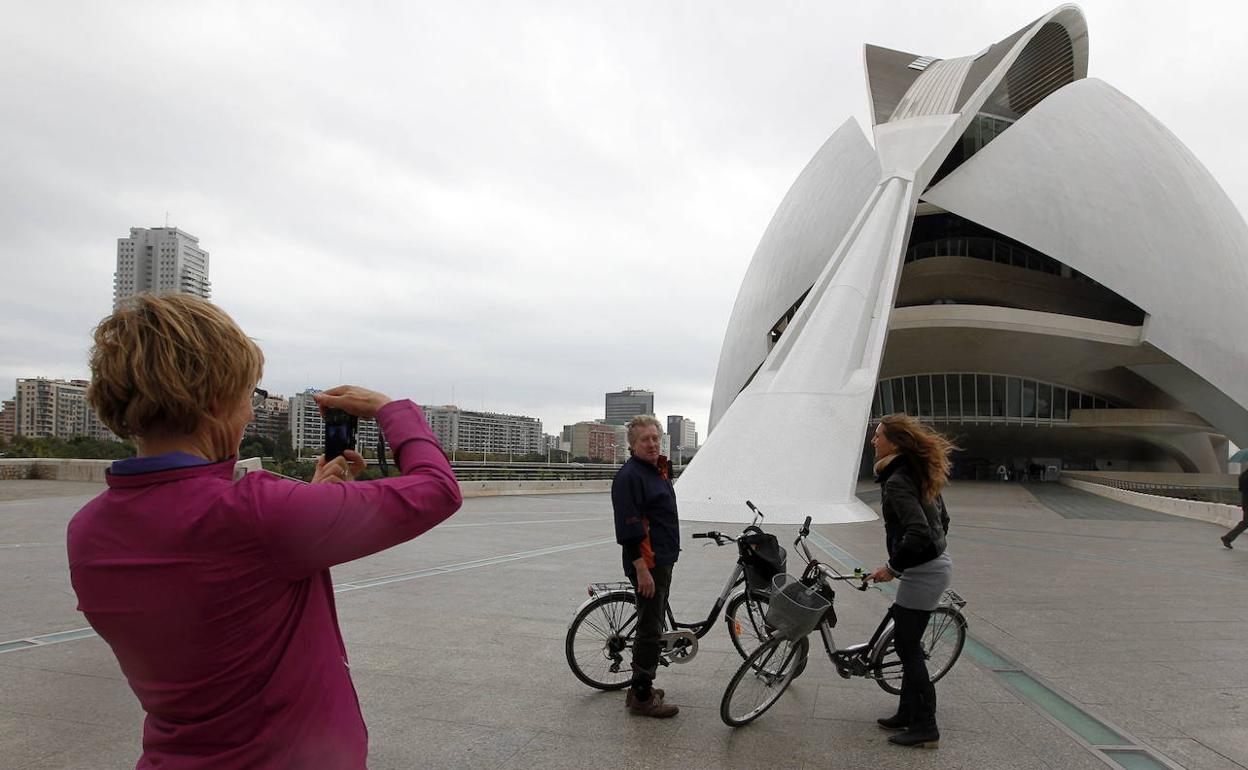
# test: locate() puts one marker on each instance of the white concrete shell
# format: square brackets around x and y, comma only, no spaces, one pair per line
[811,221]
[788,433]
[1091,179]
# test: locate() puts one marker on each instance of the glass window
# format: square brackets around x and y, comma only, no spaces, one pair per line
[899,398]
[1085,401]
[983,390]
[924,384]
[1044,401]
[1014,398]
[886,397]
[998,397]
[968,396]
[940,400]
[875,402]
[1099,404]
[1029,399]
[1059,403]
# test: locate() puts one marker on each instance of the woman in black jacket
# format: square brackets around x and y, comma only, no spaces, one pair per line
[912,466]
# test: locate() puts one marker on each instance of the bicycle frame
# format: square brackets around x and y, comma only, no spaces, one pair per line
[699,628]
[851,660]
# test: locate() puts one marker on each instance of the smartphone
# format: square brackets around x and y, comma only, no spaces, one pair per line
[340,430]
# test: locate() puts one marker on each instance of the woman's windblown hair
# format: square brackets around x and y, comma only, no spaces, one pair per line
[927,450]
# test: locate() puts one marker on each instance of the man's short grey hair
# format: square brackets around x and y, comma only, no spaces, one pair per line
[639,422]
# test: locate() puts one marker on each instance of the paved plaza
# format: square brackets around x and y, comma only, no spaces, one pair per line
[1089,618]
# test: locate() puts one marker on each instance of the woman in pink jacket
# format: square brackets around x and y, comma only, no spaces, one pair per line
[215,595]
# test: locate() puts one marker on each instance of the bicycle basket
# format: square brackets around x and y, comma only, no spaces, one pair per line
[763,558]
[794,609]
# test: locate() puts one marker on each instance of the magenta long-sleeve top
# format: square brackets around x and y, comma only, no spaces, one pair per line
[216,598]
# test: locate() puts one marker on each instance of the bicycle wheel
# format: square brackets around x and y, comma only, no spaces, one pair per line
[600,642]
[760,681]
[744,616]
[942,644]
[747,629]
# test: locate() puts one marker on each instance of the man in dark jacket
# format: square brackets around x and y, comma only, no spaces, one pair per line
[1243,510]
[648,529]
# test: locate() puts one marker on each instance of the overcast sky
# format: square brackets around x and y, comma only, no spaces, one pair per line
[515,206]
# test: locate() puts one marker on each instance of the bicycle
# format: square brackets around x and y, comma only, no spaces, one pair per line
[601,632]
[769,670]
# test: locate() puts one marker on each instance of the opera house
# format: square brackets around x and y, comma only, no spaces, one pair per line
[1023,256]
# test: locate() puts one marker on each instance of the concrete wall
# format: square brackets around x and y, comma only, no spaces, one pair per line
[79,470]
[492,488]
[93,470]
[1215,513]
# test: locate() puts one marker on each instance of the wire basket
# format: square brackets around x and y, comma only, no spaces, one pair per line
[793,609]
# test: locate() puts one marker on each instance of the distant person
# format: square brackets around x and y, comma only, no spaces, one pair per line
[1003,474]
[648,528]
[912,467]
[1243,510]
[215,595]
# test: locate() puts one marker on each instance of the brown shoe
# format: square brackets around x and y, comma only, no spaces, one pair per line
[630,697]
[655,707]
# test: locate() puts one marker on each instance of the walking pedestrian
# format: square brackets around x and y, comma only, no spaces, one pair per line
[1238,529]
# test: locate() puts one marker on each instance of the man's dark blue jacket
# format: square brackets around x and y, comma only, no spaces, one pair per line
[646,524]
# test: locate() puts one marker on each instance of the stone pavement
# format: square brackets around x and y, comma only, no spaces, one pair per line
[1140,624]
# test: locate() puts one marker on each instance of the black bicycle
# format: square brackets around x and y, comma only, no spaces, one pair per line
[600,637]
[804,605]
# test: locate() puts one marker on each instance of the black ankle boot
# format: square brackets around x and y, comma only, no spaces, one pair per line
[898,721]
[922,736]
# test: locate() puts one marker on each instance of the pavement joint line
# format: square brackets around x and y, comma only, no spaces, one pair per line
[59,637]
[1088,536]
[1114,746]
[1106,559]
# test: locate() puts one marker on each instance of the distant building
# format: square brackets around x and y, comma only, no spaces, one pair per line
[595,440]
[8,420]
[272,417]
[162,260]
[683,432]
[52,408]
[628,403]
[307,429]
[468,431]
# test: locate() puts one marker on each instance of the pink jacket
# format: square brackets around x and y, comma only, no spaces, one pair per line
[216,599]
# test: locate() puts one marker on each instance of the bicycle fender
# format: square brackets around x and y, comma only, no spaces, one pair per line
[632,597]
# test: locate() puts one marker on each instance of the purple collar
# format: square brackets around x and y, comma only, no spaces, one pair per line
[132,466]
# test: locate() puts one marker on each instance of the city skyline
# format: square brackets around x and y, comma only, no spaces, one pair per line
[367,217]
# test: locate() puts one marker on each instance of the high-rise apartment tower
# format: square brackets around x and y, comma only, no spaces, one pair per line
[162,260]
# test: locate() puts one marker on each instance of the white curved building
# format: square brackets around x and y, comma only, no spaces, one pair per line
[1026,257]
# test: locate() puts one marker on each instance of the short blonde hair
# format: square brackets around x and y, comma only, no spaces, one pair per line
[167,362]
[636,424]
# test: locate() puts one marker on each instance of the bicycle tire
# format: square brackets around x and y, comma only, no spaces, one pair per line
[943,640]
[600,640]
[754,688]
[747,629]
[744,618]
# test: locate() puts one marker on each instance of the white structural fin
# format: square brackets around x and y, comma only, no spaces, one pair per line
[804,410]
[1055,181]
[791,437]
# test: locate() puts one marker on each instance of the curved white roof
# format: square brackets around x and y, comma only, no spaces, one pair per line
[1083,175]
[1091,179]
